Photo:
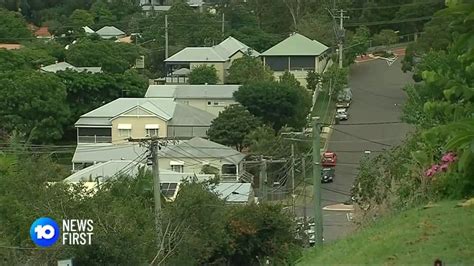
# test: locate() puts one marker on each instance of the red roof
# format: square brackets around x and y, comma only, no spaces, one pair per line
[42,32]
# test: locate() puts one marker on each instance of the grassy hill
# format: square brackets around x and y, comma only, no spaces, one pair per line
[418,237]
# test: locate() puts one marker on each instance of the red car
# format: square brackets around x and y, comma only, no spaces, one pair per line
[329,159]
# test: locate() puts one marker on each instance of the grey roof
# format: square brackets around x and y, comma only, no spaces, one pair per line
[196,54]
[106,170]
[87,153]
[201,148]
[113,168]
[296,45]
[109,32]
[185,115]
[234,192]
[231,45]
[87,29]
[89,69]
[62,66]
[186,91]
[167,109]
[156,8]
[195,3]
[217,53]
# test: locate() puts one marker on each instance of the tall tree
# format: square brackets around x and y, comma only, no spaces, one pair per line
[232,125]
[248,69]
[13,27]
[34,104]
[276,103]
[203,74]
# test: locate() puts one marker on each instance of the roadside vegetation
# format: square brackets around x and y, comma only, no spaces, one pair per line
[415,237]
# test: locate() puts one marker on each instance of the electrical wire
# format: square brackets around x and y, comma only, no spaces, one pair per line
[395,6]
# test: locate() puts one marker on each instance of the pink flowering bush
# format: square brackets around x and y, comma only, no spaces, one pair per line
[443,166]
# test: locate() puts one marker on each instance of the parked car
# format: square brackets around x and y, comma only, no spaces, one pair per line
[327,175]
[343,104]
[341,114]
[329,159]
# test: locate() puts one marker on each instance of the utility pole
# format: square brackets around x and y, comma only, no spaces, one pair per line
[263,181]
[303,166]
[292,173]
[341,34]
[166,36]
[318,212]
[154,148]
[223,24]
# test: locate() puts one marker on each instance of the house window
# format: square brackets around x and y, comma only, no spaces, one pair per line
[209,103]
[169,189]
[126,133]
[216,103]
[152,130]
[125,130]
[177,166]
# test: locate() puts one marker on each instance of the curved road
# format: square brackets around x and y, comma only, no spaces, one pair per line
[377,97]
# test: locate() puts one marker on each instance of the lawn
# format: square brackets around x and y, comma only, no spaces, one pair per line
[417,237]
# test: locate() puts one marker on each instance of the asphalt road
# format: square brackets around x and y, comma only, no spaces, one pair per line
[377,97]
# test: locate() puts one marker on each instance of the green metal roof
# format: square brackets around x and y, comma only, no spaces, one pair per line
[296,45]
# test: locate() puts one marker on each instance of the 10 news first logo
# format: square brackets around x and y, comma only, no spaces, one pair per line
[45,232]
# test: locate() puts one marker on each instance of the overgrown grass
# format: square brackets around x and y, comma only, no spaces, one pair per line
[417,237]
[321,108]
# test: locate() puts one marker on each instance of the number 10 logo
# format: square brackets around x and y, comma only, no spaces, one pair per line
[44,232]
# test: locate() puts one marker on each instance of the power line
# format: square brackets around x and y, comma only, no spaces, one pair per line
[394,6]
[355,24]
[355,136]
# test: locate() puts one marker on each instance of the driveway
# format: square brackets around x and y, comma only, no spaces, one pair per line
[377,97]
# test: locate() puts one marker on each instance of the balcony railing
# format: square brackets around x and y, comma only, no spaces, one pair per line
[94,139]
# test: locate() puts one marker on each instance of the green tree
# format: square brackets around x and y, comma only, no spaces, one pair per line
[334,80]
[203,74]
[385,37]
[232,125]
[357,45]
[33,103]
[87,91]
[276,103]
[289,79]
[248,69]
[312,80]
[81,18]
[13,27]
[111,56]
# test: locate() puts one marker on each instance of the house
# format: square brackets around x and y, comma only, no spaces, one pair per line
[170,181]
[210,98]
[148,6]
[96,175]
[194,154]
[188,156]
[43,33]
[63,66]
[109,32]
[298,55]
[220,56]
[124,118]
[88,30]
[10,46]
[236,193]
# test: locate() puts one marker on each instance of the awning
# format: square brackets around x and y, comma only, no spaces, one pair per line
[176,163]
[124,126]
[152,126]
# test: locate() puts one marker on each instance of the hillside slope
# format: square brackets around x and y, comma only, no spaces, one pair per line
[418,236]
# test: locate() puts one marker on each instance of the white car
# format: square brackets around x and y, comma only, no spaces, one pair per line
[342,114]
